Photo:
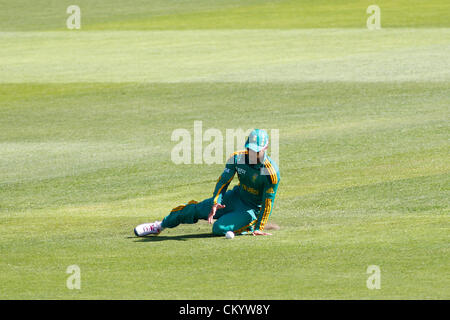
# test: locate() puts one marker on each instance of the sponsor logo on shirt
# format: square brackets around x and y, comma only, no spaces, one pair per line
[241,171]
[250,189]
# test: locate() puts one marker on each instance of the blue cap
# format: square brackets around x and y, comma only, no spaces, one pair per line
[257,140]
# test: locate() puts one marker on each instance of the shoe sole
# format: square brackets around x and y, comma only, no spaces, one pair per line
[135,232]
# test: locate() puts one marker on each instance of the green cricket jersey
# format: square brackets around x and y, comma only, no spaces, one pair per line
[258,184]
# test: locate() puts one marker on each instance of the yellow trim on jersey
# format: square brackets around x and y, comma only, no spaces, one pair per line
[245,228]
[273,173]
[179,208]
[239,152]
[265,217]
[274,176]
[218,193]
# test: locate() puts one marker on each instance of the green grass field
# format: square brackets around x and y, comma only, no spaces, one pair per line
[86,118]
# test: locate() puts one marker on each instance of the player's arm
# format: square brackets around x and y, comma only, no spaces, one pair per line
[221,186]
[224,180]
[269,194]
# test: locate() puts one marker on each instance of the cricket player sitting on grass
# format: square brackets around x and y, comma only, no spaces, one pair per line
[246,208]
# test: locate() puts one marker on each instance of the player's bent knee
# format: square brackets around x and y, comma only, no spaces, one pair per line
[219,229]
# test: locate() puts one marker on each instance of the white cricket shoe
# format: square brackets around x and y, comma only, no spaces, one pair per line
[148,228]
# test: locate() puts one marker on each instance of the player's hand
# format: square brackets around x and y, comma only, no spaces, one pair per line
[260,233]
[212,213]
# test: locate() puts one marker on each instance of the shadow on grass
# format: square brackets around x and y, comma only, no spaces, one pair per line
[177,238]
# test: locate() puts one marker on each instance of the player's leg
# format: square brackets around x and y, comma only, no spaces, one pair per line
[193,211]
[239,220]
[187,213]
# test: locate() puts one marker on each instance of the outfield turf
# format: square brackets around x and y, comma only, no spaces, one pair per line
[86,119]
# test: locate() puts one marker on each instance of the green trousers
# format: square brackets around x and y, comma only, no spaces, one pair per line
[237,216]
